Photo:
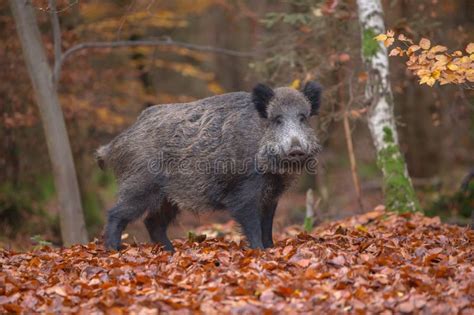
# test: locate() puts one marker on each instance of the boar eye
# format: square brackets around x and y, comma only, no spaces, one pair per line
[302,118]
[278,120]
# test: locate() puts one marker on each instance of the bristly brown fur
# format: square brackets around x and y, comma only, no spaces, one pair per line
[236,129]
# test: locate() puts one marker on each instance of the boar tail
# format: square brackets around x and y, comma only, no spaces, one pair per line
[101,156]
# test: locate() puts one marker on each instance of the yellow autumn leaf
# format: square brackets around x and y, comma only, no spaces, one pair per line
[413,48]
[440,65]
[433,64]
[396,51]
[424,79]
[447,78]
[388,42]
[381,37]
[425,43]
[431,81]
[295,84]
[438,49]
[470,48]
[470,77]
[403,38]
[465,59]
[423,72]
[441,58]
[443,81]
[422,57]
[451,66]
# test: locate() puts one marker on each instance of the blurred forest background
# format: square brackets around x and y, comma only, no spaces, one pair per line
[102,91]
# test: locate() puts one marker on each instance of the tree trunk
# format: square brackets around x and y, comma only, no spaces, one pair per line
[398,189]
[71,216]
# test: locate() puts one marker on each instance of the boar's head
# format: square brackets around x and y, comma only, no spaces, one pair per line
[288,143]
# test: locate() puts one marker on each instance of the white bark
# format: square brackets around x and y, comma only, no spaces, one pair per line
[398,189]
[71,216]
[378,90]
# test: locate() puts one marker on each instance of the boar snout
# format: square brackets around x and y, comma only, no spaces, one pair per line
[296,149]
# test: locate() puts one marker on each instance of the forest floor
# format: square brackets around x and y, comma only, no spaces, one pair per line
[376,263]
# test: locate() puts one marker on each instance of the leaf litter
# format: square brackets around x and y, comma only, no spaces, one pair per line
[372,263]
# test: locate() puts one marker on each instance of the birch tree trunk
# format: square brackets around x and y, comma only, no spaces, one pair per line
[71,216]
[398,189]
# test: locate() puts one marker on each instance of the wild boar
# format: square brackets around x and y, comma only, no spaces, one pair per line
[238,152]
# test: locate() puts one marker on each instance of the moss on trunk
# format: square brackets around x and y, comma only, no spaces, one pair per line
[398,189]
[370,46]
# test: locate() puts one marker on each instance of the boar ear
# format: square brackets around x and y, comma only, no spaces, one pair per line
[312,90]
[261,96]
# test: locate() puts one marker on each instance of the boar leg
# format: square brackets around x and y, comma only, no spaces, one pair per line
[249,219]
[129,208]
[268,213]
[118,218]
[157,222]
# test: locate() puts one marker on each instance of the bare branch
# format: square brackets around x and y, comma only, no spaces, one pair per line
[348,136]
[56,40]
[151,42]
[48,8]
[350,150]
